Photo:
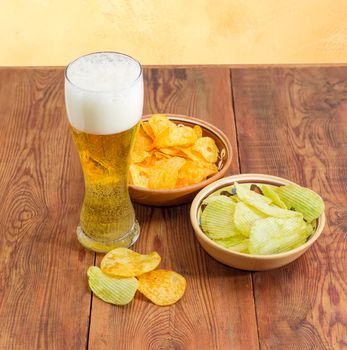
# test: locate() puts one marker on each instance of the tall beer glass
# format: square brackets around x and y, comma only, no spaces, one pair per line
[104,100]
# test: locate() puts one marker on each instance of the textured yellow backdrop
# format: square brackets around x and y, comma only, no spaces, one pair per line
[52,32]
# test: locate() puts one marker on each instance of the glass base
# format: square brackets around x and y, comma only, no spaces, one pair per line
[125,241]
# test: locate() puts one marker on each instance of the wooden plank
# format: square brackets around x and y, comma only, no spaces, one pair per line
[293,123]
[44,300]
[218,305]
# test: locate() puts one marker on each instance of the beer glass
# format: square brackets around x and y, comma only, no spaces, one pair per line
[104,100]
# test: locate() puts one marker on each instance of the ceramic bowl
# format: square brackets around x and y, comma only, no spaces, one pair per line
[186,194]
[240,260]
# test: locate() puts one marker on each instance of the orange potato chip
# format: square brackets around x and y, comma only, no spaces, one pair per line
[191,154]
[164,174]
[147,129]
[170,151]
[159,122]
[142,141]
[193,172]
[198,131]
[161,155]
[139,156]
[162,287]
[138,175]
[207,148]
[179,136]
[123,262]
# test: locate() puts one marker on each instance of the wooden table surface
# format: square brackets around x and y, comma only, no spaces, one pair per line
[285,121]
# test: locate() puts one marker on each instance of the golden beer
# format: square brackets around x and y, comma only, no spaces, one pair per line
[104,120]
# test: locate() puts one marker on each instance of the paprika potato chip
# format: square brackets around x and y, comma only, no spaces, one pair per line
[207,148]
[168,155]
[138,175]
[123,262]
[162,287]
[143,142]
[159,122]
[165,173]
[139,156]
[198,131]
[193,172]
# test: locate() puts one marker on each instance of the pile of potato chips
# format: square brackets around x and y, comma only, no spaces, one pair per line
[122,272]
[261,219]
[168,156]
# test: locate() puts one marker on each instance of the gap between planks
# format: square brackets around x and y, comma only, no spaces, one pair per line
[240,171]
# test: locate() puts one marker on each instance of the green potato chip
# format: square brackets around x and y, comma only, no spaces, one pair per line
[303,200]
[271,193]
[245,193]
[262,203]
[245,216]
[236,243]
[217,219]
[211,199]
[246,221]
[277,235]
[113,290]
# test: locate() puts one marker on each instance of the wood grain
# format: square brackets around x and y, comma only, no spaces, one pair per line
[218,305]
[293,123]
[44,300]
[290,122]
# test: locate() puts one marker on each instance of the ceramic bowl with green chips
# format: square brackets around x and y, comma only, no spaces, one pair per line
[256,222]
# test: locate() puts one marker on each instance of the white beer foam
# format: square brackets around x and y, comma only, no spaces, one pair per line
[104,93]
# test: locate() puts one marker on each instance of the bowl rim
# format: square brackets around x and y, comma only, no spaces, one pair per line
[206,125]
[247,178]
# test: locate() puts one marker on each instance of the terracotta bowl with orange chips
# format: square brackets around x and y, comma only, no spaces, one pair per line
[174,157]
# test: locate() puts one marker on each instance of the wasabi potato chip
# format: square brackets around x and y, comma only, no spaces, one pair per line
[236,243]
[217,219]
[263,204]
[245,194]
[221,199]
[260,221]
[245,217]
[118,291]
[127,263]
[303,200]
[277,235]
[270,192]
[162,287]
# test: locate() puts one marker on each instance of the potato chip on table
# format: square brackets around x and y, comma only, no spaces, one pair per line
[127,263]
[116,283]
[162,287]
[118,291]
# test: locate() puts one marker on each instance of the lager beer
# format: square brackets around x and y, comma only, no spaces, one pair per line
[104,99]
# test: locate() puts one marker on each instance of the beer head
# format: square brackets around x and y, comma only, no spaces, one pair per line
[104,93]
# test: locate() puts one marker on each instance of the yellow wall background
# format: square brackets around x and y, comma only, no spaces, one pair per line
[52,32]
